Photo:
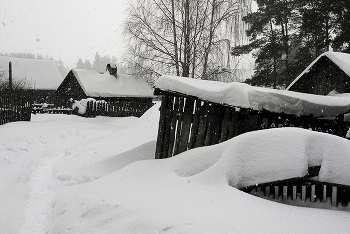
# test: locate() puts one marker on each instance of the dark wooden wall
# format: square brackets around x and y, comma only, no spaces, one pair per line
[187,122]
[70,88]
[323,78]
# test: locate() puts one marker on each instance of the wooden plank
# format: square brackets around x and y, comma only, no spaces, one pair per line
[233,124]
[179,125]
[186,124]
[161,128]
[219,111]
[168,119]
[285,193]
[225,124]
[195,124]
[276,192]
[324,192]
[210,125]
[173,127]
[202,124]
[313,190]
[303,193]
[334,196]
[294,196]
[267,191]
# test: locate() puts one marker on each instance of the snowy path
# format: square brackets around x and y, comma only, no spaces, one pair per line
[38,205]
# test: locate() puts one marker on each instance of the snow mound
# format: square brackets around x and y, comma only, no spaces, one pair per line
[194,192]
[279,154]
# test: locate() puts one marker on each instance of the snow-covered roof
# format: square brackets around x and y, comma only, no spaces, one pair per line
[96,84]
[342,60]
[257,98]
[39,74]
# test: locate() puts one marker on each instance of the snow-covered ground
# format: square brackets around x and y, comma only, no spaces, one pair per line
[68,174]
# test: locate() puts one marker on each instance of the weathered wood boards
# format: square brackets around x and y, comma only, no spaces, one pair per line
[188,122]
[13,108]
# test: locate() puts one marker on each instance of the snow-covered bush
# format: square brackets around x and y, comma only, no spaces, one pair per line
[81,106]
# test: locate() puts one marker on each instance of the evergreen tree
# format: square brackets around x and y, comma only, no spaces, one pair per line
[286,35]
[80,64]
[87,65]
[96,65]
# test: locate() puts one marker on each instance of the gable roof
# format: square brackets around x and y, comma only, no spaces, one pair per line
[40,74]
[342,60]
[96,84]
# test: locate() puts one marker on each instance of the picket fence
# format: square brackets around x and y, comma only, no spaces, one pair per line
[118,107]
[13,107]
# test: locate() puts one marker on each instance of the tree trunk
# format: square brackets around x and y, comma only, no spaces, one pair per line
[176,55]
[211,35]
[187,48]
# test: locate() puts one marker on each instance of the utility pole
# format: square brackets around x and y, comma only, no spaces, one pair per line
[10,76]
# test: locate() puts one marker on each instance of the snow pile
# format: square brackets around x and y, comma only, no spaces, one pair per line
[257,98]
[96,84]
[80,106]
[192,192]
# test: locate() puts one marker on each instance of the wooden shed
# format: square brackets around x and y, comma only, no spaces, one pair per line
[197,113]
[328,72]
[120,91]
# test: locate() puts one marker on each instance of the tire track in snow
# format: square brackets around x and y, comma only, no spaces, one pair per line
[38,211]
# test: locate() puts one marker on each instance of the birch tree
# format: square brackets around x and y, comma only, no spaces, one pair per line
[175,36]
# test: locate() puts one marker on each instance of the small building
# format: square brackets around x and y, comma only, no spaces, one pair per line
[119,90]
[328,72]
[38,78]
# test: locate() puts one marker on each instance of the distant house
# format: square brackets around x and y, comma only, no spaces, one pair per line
[118,89]
[39,78]
[82,83]
[328,72]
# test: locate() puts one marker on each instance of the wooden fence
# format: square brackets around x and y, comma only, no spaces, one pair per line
[301,190]
[187,122]
[119,107]
[13,107]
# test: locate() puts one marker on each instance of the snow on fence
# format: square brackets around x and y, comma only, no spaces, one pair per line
[188,122]
[13,107]
[118,107]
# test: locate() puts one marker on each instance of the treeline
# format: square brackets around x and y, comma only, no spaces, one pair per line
[287,35]
[99,64]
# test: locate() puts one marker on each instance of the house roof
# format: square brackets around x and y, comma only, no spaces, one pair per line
[242,95]
[342,60]
[96,84]
[39,74]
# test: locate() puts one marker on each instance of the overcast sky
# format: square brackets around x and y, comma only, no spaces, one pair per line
[63,29]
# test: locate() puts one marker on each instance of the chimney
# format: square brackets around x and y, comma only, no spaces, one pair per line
[112,68]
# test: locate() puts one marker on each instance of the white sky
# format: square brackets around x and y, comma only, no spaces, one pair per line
[64,29]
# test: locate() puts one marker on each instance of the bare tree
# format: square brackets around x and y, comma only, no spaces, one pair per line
[176,36]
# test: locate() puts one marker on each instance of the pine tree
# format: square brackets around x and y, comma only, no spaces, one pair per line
[80,64]
[96,65]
